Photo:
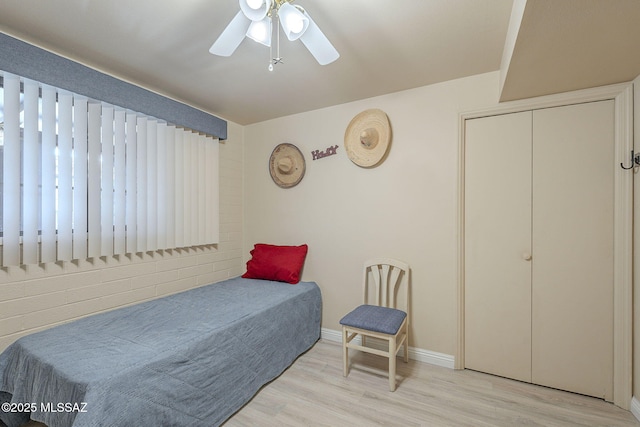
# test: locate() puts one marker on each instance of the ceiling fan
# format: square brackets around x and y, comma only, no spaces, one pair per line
[254,20]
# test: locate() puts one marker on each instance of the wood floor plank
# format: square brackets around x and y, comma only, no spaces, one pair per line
[313,392]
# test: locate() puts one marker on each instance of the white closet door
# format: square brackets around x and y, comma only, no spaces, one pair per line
[498,244]
[572,298]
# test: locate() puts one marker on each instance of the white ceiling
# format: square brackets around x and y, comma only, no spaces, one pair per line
[385,46]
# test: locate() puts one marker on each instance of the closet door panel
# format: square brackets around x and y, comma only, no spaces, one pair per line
[572,292]
[497,239]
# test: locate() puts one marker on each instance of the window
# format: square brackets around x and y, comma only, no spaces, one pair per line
[81,178]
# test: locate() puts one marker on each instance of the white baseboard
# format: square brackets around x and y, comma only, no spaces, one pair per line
[419,354]
[635,408]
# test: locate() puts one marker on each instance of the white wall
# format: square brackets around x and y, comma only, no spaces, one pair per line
[404,208]
[36,297]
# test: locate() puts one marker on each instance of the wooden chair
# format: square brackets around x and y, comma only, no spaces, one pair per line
[382,320]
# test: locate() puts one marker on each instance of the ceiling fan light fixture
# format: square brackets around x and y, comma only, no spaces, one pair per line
[260,31]
[293,20]
[255,21]
[255,10]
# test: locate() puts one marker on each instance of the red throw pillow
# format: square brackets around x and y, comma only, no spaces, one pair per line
[279,263]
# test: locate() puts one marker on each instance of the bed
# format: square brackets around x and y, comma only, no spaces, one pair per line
[189,359]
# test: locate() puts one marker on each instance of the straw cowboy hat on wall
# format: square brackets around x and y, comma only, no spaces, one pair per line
[367,138]
[286,165]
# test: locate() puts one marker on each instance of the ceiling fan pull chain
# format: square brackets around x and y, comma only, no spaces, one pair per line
[271,51]
[278,58]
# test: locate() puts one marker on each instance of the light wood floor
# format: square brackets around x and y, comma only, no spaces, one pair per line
[313,392]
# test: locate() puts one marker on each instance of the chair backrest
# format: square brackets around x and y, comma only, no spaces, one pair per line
[388,276]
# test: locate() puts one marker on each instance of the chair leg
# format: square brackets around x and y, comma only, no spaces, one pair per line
[392,364]
[406,346]
[345,352]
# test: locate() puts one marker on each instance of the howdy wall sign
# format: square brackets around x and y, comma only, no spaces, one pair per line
[330,151]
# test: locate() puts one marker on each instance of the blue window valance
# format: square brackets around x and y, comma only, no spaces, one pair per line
[24,59]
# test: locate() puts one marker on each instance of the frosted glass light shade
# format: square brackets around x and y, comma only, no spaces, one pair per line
[255,10]
[255,4]
[294,23]
[260,31]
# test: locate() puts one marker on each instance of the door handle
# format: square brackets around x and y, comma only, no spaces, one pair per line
[527,256]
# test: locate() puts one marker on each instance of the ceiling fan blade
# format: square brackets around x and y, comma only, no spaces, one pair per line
[318,44]
[232,36]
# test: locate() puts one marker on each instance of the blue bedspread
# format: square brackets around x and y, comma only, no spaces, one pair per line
[189,359]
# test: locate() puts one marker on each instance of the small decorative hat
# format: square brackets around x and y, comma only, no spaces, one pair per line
[367,138]
[286,165]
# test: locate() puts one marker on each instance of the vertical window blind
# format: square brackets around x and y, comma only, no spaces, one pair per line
[82,178]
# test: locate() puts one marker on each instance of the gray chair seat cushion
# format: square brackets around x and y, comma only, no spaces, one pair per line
[374,318]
